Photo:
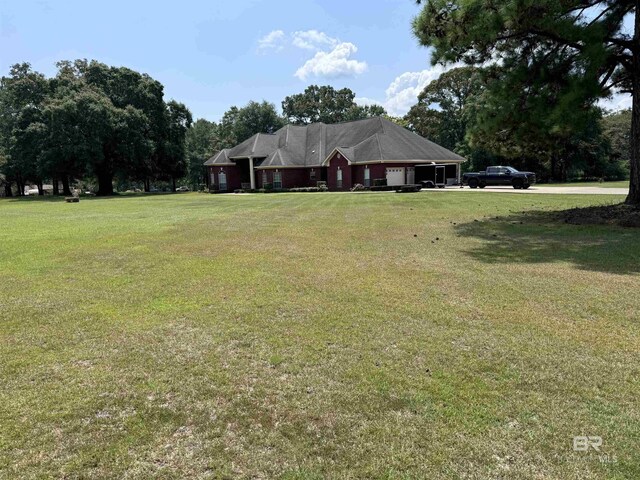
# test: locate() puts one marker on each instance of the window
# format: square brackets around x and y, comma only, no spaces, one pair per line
[277,180]
[312,174]
[222,181]
[212,179]
[367,177]
[339,178]
[264,178]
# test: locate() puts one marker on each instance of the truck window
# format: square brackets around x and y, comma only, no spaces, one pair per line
[492,170]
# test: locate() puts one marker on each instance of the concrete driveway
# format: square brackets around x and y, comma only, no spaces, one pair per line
[540,189]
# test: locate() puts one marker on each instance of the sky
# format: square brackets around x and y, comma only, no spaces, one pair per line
[211,55]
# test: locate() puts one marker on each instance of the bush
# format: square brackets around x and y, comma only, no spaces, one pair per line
[308,189]
[357,187]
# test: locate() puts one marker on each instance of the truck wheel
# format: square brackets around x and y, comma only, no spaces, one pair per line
[473,183]
[517,184]
[482,185]
[526,186]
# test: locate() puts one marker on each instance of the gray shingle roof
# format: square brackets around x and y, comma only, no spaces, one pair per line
[372,139]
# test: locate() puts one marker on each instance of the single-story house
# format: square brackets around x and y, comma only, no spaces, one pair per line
[342,155]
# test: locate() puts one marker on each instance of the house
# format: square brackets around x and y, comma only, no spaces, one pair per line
[342,155]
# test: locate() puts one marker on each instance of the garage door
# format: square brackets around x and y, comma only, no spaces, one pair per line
[395,176]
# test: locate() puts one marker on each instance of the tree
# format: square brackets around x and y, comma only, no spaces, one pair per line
[173,160]
[569,53]
[257,118]
[440,113]
[22,131]
[326,104]
[616,127]
[238,124]
[201,143]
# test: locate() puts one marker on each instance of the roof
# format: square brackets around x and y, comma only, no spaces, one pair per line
[360,141]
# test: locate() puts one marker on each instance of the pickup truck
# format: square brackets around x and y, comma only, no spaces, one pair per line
[499,176]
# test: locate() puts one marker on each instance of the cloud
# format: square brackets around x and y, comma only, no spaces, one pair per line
[619,101]
[313,40]
[332,58]
[402,93]
[335,63]
[272,41]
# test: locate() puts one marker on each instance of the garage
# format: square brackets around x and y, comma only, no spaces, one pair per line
[395,176]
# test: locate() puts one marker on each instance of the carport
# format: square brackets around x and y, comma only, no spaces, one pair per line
[437,174]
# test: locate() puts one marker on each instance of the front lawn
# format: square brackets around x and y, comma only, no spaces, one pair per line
[304,336]
[616,184]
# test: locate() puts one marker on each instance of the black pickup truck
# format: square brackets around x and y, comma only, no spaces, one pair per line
[499,176]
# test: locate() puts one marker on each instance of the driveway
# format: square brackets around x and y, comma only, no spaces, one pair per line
[541,189]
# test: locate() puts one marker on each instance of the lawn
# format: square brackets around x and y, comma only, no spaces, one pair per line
[619,184]
[305,336]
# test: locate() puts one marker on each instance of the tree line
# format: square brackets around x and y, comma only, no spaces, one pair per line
[458,112]
[544,65]
[90,120]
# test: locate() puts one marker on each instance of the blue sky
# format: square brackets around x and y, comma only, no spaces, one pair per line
[212,55]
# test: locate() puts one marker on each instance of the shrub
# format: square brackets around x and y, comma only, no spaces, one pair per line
[357,187]
[308,189]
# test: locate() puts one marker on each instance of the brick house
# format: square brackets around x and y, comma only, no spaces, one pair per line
[342,154]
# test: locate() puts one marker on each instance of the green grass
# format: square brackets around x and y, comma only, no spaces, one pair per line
[307,336]
[620,184]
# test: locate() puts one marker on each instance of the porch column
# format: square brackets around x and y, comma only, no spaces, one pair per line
[458,172]
[252,174]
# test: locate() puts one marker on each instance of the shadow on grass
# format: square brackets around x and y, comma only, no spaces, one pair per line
[546,237]
[61,198]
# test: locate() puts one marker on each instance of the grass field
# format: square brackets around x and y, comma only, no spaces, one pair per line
[620,184]
[305,336]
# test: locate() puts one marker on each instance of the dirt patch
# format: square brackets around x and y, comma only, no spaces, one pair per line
[621,215]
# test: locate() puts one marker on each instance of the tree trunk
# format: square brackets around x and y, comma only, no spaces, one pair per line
[7,190]
[40,189]
[147,185]
[634,187]
[56,186]
[553,166]
[65,186]
[105,183]
[173,184]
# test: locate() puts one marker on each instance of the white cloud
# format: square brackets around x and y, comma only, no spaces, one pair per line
[332,57]
[336,63]
[619,101]
[313,40]
[272,41]
[402,93]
